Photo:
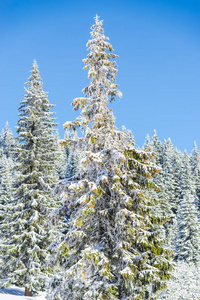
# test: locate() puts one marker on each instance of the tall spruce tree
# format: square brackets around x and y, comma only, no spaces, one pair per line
[187,180]
[177,178]
[157,148]
[168,186]
[73,153]
[7,141]
[24,248]
[111,249]
[61,168]
[6,182]
[188,238]
[129,135]
[195,171]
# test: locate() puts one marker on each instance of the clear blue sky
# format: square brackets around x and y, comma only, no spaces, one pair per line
[158,43]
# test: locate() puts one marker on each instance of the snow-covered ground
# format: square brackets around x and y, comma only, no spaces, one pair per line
[16,293]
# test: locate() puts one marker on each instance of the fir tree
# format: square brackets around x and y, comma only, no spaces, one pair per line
[195,170]
[73,154]
[188,239]
[129,135]
[111,249]
[7,141]
[168,187]
[157,148]
[25,243]
[177,178]
[62,163]
[187,180]
[148,144]
[6,181]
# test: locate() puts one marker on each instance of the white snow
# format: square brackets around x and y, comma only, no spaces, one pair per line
[16,293]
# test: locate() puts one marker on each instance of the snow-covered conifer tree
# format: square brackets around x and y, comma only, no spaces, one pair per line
[129,135]
[147,144]
[7,141]
[187,180]
[6,182]
[111,249]
[195,170]
[168,186]
[177,178]
[62,162]
[24,248]
[157,148]
[73,153]
[188,239]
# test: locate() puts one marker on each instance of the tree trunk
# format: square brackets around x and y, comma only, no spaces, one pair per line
[28,292]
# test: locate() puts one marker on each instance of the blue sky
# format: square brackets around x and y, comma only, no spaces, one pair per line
[158,43]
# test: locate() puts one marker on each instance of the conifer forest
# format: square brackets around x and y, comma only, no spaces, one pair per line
[92,215]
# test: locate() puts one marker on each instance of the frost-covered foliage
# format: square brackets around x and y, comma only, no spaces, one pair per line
[7,141]
[164,156]
[61,167]
[178,182]
[188,237]
[69,155]
[129,135]
[6,181]
[195,170]
[187,182]
[111,249]
[72,152]
[7,173]
[24,247]
[185,283]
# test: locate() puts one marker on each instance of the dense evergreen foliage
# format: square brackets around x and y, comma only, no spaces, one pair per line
[112,248]
[25,241]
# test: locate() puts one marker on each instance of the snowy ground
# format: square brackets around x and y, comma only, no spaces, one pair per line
[16,293]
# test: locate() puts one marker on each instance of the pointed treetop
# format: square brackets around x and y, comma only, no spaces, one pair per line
[97,19]
[96,28]
[35,68]
[155,136]
[195,151]
[35,63]
[7,126]
[195,147]
[148,139]
[155,132]
[169,141]
[35,78]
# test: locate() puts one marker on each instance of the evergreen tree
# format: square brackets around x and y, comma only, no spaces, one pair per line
[177,178]
[157,148]
[7,141]
[129,135]
[148,144]
[24,248]
[111,249]
[62,163]
[167,184]
[188,239]
[195,170]
[6,176]
[73,154]
[187,180]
